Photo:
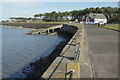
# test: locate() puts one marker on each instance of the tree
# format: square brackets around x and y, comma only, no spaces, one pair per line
[92,10]
[40,15]
[98,10]
[29,18]
[36,15]
[109,12]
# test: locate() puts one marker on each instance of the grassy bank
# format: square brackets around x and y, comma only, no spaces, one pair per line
[39,21]
[115,26]
[109,26]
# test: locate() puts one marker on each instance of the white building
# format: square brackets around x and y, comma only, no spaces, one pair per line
[96,18]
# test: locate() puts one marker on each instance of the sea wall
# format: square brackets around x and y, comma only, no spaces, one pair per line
[69,28]
[37,68]
[41,65]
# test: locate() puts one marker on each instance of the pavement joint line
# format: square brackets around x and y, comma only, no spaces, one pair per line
[91,64]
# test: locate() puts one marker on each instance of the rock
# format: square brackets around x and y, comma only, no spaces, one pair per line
[31,64]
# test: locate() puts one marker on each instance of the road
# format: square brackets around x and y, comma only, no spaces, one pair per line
[103,47]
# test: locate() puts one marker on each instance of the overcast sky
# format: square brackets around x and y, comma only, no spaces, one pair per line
[28,9]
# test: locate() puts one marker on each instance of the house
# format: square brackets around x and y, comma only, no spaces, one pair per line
[96,18]
[45,18]
[16,20]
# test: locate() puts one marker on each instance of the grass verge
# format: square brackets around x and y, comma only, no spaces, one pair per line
[114,26]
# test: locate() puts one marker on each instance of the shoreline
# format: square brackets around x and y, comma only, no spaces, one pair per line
[32,30]
[31,25]
[29,70]
[39,66]
[16,27]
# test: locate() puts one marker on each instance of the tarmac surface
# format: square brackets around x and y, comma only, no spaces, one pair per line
[99,58]
[103,49]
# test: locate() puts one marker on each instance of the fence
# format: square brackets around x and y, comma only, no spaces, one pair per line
[73,67]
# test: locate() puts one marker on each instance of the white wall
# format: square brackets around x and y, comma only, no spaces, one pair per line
[100,20]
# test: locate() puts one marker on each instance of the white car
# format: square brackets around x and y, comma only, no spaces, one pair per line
[102,23]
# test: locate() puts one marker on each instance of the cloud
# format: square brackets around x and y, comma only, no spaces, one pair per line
[25,14]
[0,11]
[21,4]
[119,4]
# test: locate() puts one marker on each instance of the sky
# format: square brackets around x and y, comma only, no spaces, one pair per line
[60,0]
[28,9]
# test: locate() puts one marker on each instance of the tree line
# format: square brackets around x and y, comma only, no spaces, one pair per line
[110,12]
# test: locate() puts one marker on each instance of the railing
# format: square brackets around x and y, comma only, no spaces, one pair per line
[79,49]
[78,52]
[79,46]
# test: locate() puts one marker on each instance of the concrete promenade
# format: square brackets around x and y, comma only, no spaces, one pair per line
[98,59]
[103,47]
[63,64]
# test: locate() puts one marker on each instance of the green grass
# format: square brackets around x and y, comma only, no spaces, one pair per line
[37,22]
[115,26]
[47,22]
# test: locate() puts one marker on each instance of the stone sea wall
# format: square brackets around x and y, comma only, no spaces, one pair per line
[37,68]
[41,65]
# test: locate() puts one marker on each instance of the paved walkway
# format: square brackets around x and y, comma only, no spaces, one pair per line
[65,62]
[103,47]
[99,59]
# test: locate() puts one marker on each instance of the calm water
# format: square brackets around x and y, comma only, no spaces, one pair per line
[19,49]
